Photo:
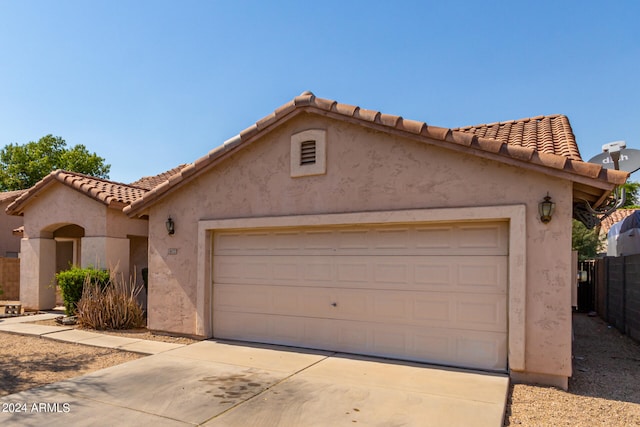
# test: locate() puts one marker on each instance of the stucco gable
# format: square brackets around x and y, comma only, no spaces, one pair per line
[545,144]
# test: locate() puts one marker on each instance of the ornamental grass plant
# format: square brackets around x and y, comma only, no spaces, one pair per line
[114,306]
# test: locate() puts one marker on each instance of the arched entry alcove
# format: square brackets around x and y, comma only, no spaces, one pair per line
[68,250]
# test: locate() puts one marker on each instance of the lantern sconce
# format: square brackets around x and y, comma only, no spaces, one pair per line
[546,208]
[171,226]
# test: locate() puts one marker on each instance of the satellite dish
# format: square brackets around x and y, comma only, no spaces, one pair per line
[629,160]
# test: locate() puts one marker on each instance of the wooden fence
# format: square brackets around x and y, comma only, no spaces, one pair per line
[617,293]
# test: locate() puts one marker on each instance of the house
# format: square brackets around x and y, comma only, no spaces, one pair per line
[623,237]
[612,223]
[9,249]
[9,241]
[74,219]
[329,226]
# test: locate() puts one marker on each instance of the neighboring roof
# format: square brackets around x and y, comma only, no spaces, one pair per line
[110,193]
[148,182]
[545,134]
[630,222]
[542,143]
[10,196]
[617,216]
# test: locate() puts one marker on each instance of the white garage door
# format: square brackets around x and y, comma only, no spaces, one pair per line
[425,292]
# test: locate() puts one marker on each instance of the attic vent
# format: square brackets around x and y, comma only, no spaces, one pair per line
[307,153]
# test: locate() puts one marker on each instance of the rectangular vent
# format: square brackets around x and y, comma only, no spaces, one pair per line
[307,153]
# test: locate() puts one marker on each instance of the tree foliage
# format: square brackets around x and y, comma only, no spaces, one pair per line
[21,166]
[587,242]
[631,201]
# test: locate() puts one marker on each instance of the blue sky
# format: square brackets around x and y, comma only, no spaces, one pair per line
[152,84]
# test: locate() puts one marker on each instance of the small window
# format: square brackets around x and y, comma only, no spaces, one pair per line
[308,153]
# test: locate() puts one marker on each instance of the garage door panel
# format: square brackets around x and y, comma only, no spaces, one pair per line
[484,274]
[425,292]
[391,307]
[237,298]
[241,326]
[284,330]
[284,271]
[239,269]
[352,240]
[391,272]
[352,271]
[435,274]
[426,309]
[481,351]
[461,348]
[483,236]
[438,240]
[433,309]
[481,312]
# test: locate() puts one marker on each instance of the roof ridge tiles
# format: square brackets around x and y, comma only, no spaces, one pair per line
[95,178]
[543,140]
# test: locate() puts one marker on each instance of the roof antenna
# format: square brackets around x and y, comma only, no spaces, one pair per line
[619,193]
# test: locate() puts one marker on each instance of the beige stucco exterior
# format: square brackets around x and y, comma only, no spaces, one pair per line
[372,176]
[100,235]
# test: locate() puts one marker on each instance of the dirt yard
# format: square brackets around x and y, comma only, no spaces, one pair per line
[27,362]
[604,391]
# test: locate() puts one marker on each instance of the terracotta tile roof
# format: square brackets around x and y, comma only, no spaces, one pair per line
[545,134]
[10,196]
[148,182]
[616,216]
[108,192]
[556,154]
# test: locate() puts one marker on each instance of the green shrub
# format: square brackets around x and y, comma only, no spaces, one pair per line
[72,281]
[110,307]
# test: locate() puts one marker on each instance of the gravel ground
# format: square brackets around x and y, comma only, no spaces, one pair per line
[29,361]
[604,391]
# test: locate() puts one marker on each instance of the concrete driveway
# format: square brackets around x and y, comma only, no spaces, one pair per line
[216,383]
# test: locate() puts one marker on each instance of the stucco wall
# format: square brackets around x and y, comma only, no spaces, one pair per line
[119,225]
[60,205]
[367,171]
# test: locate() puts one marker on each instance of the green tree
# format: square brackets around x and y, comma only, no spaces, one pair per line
[21,166]
[587,242]
[631,201]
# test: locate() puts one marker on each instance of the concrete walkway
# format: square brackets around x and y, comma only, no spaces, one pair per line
[22,325]
[215,383]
